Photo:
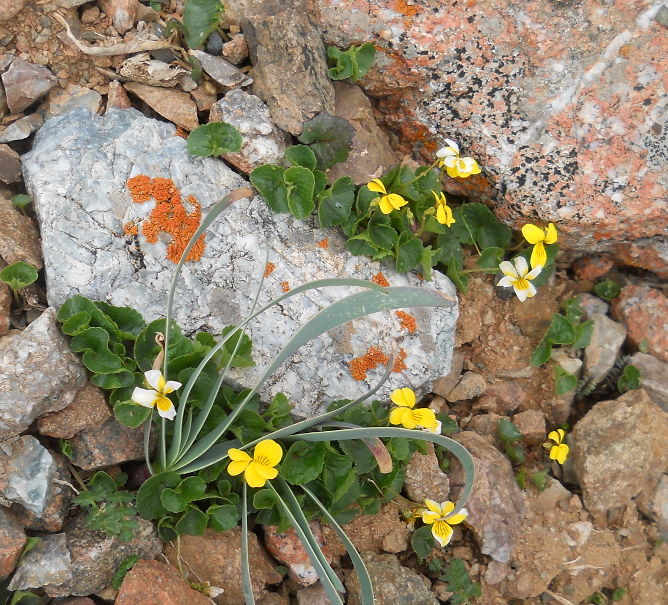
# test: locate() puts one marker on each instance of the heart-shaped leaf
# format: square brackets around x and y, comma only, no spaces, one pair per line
[300,183]
[329,137]
[130,413]
[193,522]
[381,234]
[200,18]
[336,202]
[303,462]
[176,499]
[409,254]
[475,223]
[214,139]
[223,517]
[18,275]
[301,155]
[364,57]
[94,343]
[268,180]
[149,504]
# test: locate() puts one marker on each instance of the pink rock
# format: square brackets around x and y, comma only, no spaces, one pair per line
[117,98]
[509,395]
[531,423]
[572,137]
[644,311]
[236,50]
[5,305]
[122,13]
[12,541]
[11,8]
[591,267]
[25,83]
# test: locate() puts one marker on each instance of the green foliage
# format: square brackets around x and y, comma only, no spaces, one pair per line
[607,290]
[200,18]
[214,139]
[540,480]
[423,541]
[18,275]
[353,63]
[21,201]
[597,599]
[563,381]
[629,380]
[619,594]
[123,569]
[510,435]
[65,447]
[329,137]
[109,509]
[459,582]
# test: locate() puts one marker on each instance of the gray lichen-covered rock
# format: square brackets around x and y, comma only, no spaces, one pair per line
[620,450]
[607,339]
[48,562]
[38,374]
[96,557]
[496,505]
[12,541]
[26,471]
[654,378]
[77,173]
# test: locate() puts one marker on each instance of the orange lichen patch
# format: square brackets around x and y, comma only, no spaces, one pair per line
[324,244]
[169,216]
[420,276]
[399,365]
[373,358]
[405,9]
[130,228]
[270,268]
[141,188]
[407,321]
[181,132]
[379,279]
[286,286]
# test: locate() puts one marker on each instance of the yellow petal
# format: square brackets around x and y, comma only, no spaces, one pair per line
[433,506]
[268,452]
[377,186]
[385,205]
[407,419]
[557,436]
[236,454]
[429,517]
[533,234]
[551,236]
[446,508]
[562,453]
[452,171]
[396,415]
[404,397]
[252,477]
[266,472]
[442,532]
[425,417]
[458,518]
[538,255]
[163,403]
[396,200]
[237,467]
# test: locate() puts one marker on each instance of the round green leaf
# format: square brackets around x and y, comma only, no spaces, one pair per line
[21,201]
[359,245]
[563,381]
[364,56]
[303,462]
[301,155]
[300,183]
[200,18]
[561,331]
[193,522]
[336,202]
[607,290]
[423,542]
[268,180]
[329,137]
[223,517]
[18,275]
[475,223]
[629,380]
[149,504]
[409,254]
[130,413]
[116,380]
[94,342]
[77,323]
[541,354]
[175,500]
[128,321]
[383,236]
[214,139]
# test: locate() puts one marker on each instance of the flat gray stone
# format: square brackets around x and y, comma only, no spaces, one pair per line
[221,70]
[38,374]
[653,377]
[24,83]
[48,562]
[77,174]
[607,339]
[21,129]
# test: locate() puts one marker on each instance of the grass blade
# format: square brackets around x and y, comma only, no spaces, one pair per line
[246,584]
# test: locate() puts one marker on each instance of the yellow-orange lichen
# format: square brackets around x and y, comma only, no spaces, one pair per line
[169,215]
[269,269]
[130,228]
[181,132]
[420,277]
[370,361]
[399,365]
[407,321]
[324,244]
[379,279]
[286,286]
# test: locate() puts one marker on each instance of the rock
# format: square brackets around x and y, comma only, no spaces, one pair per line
[146,14]
[19,240]
[425,479]
[11,8]
[219,289]
[644,312]
[592,267]
[262,142]
[204,99]
[122,13]
[236,50]
[553,494]
[77,601]
[38,374]
[591,305]
[72,96]
[214,43]
[443,386]
[215,557]
[141,68]
[12,541]
[470,385]
[393,584]
[562,357]
[557,409]
[313,595]
[21,129]
[155,583]
[371,150]
[10,165]
[534,315]
[654,505]
[289,63]
[531,423]
[606,341]
[496,572]
[288,549]
[48,562]
[653,378]
[109,444]
[96,557]
[5,305]
[117,97]
[26,472]
[221,70]
[25,83]
[508,395]
[58,499]
[496,505]
[486,425]
[174,105]
[88,410]
[619,450]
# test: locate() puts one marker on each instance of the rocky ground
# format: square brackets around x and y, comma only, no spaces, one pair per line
[92,95]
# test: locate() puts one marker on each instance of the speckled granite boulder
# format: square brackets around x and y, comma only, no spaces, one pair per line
[12,541]
[568,123]
[77,173]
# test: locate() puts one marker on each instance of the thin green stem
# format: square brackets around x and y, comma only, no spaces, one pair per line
[419,176]
[478,270]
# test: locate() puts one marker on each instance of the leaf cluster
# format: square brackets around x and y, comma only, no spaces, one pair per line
[565,329]
[459,582]
[199,19]
[510,436]
[353,63]
[214,139]
[18,275]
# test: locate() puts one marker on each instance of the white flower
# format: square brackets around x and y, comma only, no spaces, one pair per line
[158,395]
[519,277]
[434,429]
[456,166]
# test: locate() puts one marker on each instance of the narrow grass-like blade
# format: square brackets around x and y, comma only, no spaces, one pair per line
[246,584]
[366,588]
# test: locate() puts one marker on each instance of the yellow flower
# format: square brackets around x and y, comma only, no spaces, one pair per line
[443,211]
[158,395]
[406,415]
[260,467]
[440,518]
[455,165]
[539,237]
[560,451]
[411,515]
[519,277]
[388,201]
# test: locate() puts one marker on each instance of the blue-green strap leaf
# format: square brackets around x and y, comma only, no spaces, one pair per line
[246,584]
